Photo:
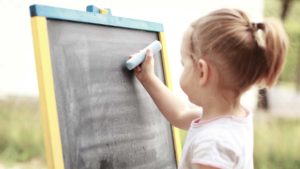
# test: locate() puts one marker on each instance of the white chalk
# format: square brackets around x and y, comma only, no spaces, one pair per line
[139,58]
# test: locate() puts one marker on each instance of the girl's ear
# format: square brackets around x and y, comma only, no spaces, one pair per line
[202,67]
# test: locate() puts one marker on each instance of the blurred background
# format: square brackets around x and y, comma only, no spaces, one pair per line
[277,111]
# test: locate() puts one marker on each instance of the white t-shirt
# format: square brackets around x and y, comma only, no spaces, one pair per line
[225,142]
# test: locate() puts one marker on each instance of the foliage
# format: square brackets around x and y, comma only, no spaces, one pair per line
[292,26]
[290,71]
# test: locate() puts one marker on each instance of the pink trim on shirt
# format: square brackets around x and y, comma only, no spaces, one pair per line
[197,122]
[210,164]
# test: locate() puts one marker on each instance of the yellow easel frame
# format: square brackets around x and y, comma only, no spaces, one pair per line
[49,114]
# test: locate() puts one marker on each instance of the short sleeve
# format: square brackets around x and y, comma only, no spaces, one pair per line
[215,153]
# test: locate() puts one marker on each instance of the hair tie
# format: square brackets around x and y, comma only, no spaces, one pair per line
[258,26]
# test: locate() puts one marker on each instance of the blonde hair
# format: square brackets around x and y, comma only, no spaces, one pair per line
[245,53]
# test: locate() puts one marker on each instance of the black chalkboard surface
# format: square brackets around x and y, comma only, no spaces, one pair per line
[106,118]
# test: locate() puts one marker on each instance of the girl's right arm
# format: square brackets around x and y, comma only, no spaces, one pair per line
[171,106]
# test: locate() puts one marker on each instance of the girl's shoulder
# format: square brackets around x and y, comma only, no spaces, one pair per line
[229,130]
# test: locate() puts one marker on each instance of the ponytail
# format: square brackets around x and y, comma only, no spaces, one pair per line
[276,44]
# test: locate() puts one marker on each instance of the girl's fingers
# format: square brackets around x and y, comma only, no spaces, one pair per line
[149,56]
[137,70]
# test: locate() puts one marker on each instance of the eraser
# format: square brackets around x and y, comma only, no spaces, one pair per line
[139,58]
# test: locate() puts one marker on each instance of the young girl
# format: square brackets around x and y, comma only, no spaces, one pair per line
[223,55]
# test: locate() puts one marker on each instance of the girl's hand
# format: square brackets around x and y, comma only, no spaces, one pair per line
[146,70]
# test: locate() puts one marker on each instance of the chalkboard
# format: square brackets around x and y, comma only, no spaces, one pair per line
[106,119]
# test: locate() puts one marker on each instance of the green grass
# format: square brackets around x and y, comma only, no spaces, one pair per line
[20,130]
[276,143]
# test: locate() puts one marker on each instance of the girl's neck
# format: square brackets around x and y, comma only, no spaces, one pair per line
[217,105]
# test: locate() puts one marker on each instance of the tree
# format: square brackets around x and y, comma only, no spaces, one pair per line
[285,8]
